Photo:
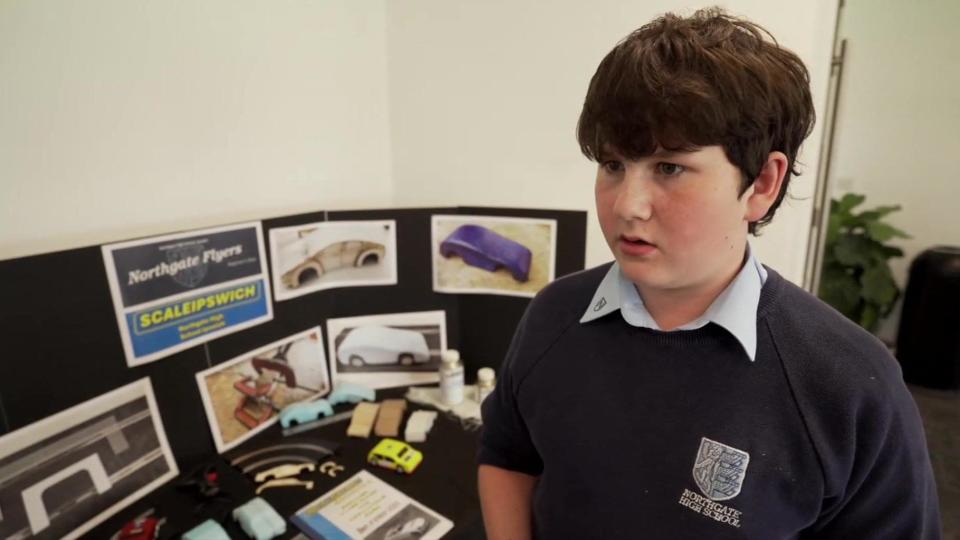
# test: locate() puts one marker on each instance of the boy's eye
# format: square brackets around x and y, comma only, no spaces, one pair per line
[612,166]
[669,169]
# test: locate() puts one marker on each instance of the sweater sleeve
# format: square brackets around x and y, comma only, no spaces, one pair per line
[882,485]
[505,441]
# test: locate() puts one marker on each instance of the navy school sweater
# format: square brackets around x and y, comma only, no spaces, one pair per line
[636,433]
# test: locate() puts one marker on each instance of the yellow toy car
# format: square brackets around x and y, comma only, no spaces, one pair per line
[396,455]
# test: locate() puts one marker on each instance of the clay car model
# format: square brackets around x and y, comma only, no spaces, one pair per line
[409,530]
[259,520]
[383,345]
[345,254]
[345,392]
[395,455]
[208,530]
[305,412]
[479,246]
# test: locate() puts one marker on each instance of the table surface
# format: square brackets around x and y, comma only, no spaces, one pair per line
[445,482]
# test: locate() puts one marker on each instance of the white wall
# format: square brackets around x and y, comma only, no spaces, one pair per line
[125,118]
[485,98]
[897,138]
[120,119]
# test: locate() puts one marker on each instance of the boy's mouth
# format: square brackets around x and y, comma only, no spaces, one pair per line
[635,240]
[635,246]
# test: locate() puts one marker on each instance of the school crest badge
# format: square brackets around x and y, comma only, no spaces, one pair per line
[192,275]
[719,469]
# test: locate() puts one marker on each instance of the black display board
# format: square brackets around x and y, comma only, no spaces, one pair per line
[62,345]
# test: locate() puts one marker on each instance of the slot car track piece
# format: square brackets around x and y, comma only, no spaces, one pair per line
[284,482]
[339,417]
[325,448]
[276,459]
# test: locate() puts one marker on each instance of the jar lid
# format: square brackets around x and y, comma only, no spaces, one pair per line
[485,374]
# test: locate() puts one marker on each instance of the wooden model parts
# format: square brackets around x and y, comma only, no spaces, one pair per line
[284,482]
[363,417]
[390,417]
[284,471]
[419,425]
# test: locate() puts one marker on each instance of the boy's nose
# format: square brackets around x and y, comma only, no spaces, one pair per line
[633,200]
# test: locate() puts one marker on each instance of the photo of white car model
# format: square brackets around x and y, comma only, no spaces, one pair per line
[383,345]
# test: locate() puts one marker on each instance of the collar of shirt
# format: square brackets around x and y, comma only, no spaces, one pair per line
[735,309]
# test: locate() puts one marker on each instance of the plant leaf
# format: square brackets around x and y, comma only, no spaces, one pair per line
[869,318]
[876,214]
[878,286]
[853,250]
[881,232]
[840,290]
[848,202]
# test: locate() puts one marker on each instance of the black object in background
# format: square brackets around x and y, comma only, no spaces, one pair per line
[928,342]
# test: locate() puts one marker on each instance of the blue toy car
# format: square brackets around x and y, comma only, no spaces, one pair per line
[259,520]
[479,246]
[305,412]
[350,393]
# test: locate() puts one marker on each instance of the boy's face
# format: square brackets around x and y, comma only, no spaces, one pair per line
[674,220]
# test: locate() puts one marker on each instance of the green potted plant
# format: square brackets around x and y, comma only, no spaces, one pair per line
[856,277]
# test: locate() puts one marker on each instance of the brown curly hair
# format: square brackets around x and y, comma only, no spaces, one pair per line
[708,79]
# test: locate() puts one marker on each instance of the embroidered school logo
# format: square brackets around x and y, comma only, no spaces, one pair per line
[719,470]
[600,303]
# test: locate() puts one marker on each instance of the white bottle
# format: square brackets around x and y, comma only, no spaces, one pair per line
[451,378]
[486,379]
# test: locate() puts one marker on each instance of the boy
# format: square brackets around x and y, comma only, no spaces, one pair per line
[687,391]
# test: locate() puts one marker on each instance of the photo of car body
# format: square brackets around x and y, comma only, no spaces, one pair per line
[379,345]
[410,530]
[333,256]
[480,247]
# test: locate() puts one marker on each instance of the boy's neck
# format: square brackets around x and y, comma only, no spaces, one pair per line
[673,308]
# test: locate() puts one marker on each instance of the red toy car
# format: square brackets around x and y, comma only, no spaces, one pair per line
[141,528]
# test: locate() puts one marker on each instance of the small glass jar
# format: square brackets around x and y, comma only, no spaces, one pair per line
[486,379]
[451,377]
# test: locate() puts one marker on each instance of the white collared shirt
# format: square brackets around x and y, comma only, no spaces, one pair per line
[735,309]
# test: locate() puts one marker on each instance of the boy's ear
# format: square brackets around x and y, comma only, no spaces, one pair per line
[765,189]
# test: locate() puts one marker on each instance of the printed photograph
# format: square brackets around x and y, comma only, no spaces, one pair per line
[330,254]
[492,255]
[365,507]
[65,474]
[243,396]
[410,523]
[381,351]
[176,291]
